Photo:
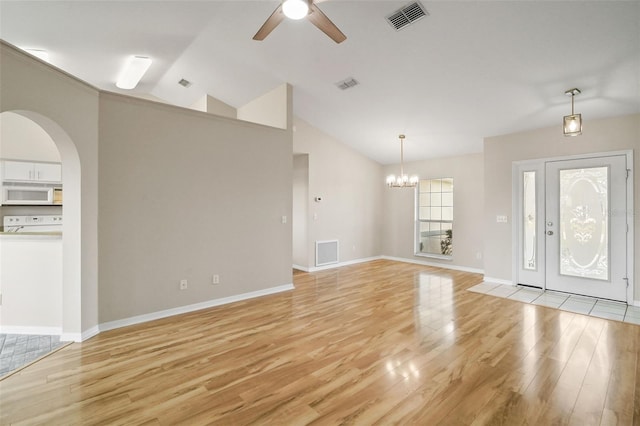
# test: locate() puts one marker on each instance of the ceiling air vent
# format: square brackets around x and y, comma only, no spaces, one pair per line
[347,84]
[407,15]
[184,83]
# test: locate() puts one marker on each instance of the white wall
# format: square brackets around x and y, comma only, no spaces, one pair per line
[610,134]
[468,193]
[214,106]
[185,195]
[22,139]
[350,185]
[269,109]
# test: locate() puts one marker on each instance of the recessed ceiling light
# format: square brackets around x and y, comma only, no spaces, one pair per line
[133,71]
[39,53]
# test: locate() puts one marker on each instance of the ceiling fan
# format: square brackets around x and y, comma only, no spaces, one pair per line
[298,9]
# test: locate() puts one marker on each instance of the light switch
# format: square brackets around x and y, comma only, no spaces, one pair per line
[501,219]
[284,219]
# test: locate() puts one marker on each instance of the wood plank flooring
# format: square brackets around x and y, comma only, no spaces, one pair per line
[376,343]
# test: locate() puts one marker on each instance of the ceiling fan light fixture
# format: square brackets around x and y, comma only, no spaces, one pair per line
[295,9]
[133,71]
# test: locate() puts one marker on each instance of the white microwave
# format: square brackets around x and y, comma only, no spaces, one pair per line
[29,195]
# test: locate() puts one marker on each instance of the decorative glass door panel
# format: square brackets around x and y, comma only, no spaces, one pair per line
[529,266]
[529,221]
[584,222]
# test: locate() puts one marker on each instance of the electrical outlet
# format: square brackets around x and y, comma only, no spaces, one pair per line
[215,279]
[183,284]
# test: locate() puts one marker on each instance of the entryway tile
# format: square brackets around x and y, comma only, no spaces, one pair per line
[632,320]
[633,312]
[483,287]
[604,306]
[551,300]
[503,291]
[578,305]
[607,315]
[585,305]
[525,295]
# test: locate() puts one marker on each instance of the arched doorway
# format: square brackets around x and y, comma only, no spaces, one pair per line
[71,244]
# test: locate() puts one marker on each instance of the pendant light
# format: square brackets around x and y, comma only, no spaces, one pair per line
[402,180]
[572,123]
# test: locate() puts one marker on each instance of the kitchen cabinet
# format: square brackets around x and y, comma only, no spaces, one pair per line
[26,171]
[31,284]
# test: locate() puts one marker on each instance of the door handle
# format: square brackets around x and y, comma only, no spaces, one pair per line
[549,232]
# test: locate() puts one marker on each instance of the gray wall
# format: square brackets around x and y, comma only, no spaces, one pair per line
[611,134]
[350,185]
[185,195]
[468,193]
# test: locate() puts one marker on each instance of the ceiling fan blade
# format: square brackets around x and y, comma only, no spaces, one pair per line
[276,17]
[325,25]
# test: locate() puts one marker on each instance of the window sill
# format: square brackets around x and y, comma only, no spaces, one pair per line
[434,256]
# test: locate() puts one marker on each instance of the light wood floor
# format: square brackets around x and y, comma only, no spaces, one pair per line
[376,343]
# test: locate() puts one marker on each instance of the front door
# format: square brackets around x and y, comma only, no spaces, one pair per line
[586,226]
[571,225]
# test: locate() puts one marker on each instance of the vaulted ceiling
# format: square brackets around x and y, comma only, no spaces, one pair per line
[469,70]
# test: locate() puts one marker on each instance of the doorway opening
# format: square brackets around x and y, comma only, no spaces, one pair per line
[70,298]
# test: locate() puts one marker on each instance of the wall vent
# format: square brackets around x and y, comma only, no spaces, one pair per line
[347,84]
[407,15]
[326,252]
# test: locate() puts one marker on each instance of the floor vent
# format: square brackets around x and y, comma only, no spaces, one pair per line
[407,15]
[326,252]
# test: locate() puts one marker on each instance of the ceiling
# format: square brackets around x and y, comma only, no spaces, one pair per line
[467,71]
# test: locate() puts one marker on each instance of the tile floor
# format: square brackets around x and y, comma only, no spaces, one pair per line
[17,350]
[567,302]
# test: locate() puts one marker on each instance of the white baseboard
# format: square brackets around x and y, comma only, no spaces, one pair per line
[44,331]
[498,281]
[88,334]
[340,264]
[300,268]
[71,337]
[435,264]
[190,308]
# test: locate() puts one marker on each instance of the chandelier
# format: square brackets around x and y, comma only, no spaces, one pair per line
[402,180]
